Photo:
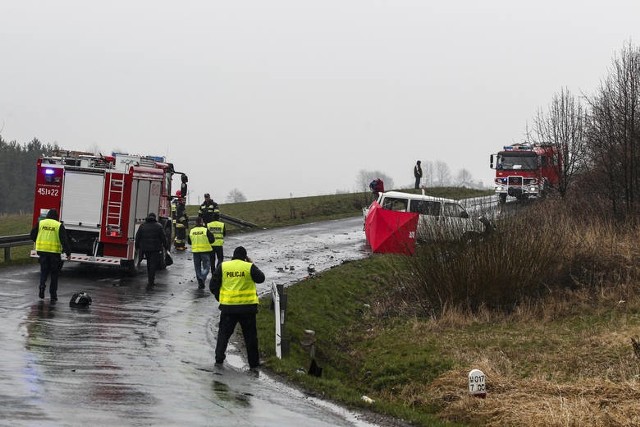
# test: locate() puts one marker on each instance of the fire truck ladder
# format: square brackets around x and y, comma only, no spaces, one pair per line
[114,205]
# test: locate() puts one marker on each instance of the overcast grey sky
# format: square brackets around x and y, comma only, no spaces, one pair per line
[295,97]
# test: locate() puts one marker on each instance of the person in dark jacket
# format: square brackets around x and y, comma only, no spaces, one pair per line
[207,209]
[417,173]
[377,187]
[51,241]
[234,286]
[150,239]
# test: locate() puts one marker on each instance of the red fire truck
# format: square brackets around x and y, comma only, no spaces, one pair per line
[525,170]
[102,200]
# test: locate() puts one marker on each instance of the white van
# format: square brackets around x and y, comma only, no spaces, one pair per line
[440,218]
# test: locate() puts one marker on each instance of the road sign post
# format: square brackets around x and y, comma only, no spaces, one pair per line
[280,307]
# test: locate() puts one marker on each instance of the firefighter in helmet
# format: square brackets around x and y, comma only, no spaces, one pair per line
[208,208]
[180,222]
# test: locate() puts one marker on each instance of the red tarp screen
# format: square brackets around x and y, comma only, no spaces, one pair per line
[390,231]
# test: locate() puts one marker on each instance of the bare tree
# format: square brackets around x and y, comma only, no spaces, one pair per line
[614,132]
[442,173]
[564,126]
[427,173]
[464,178]
[235,196]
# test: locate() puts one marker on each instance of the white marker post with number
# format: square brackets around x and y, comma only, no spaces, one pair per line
[276,302]
[477,383]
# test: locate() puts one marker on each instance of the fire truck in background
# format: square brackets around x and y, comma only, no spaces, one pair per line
[525,170]
[102,200]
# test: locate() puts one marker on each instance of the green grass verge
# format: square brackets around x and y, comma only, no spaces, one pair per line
[360,353]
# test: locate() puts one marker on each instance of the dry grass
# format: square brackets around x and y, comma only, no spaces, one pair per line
[543,366]
[562,357]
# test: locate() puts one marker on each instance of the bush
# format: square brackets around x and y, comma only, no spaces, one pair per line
[525,257]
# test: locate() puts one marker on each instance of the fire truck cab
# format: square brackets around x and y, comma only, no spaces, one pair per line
[102,200]
[525,170]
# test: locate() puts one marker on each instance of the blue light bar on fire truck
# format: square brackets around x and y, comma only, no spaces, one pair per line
[516,147]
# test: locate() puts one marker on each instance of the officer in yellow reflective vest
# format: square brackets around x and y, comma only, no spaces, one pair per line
[218,229]
[201,240]
[234,286]
[51,241]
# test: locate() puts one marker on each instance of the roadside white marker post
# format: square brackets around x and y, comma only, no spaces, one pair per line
[477,384]
[275,296]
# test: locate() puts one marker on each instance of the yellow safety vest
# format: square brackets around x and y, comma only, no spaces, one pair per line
[48,239]
[238,288]
[199,240]
[217,229]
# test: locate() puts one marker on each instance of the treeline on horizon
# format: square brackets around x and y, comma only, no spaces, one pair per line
[18,174]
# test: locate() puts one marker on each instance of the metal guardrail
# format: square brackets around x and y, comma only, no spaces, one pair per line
[8,242]
[229,220]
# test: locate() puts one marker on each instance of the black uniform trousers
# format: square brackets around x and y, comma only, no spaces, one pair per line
[49,266]
[218,253]
[153,263]
[228,322]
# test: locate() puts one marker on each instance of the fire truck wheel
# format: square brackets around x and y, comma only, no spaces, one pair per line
[131,267]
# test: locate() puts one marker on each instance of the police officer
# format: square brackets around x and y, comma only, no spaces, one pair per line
[234,286]
[218,229]
[51,241]
[207,209]
[150,239]
[201,241]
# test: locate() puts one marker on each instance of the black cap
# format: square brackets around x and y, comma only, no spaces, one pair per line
[206,195]
[151,215]
[52,214]
[240,253]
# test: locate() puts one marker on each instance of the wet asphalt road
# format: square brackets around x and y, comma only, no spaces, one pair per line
[145,357]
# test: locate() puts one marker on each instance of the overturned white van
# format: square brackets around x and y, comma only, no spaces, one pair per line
[440,218]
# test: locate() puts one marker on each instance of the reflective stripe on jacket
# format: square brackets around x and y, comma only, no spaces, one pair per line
[238,288]
[48,239]
[217,229]
[199,240]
